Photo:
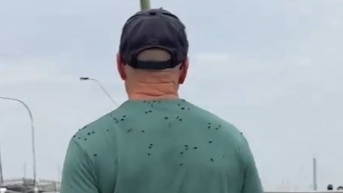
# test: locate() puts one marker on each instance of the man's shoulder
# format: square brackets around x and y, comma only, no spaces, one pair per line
[104,123]
[94,126]
[219,129]
[214,121]
[92,134]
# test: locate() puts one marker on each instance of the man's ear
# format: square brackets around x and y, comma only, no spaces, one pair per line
[183,71]
[121,67]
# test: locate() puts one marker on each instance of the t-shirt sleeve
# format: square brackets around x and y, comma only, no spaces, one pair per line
[252,182]
[78,174]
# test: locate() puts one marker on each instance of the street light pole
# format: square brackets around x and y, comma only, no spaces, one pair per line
[1,175]
[32,140]
[314,174]
[102,87]
[145,4]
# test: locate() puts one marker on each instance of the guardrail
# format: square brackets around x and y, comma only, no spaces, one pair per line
[332,191]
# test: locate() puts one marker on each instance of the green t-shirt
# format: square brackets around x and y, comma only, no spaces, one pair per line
[163,146]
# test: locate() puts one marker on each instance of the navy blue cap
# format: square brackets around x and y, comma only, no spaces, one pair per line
[149,29]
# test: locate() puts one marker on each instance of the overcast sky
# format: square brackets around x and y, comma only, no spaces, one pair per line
[271,67]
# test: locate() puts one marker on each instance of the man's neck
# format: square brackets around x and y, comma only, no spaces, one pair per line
[148,91]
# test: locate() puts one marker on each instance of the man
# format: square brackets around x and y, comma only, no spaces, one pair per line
[156,142]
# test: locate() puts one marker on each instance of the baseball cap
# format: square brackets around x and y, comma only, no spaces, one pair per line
[153,29]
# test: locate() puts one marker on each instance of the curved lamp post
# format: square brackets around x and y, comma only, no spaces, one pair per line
[101,86]
[32,140]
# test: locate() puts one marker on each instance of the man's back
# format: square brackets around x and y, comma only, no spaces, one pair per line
[159,146]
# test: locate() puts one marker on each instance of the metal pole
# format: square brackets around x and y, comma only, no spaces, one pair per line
[1,175]
[33,141]
[102,87]
[24,170]
[314,174]
[59,178]
[145,4]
